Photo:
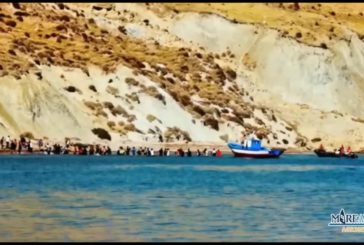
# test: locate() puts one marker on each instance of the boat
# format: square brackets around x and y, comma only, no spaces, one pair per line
[254,150]
[323,153]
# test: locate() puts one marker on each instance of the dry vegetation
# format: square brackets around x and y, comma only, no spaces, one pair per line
[112,90]
[311,23]
[54,36]
[152,118]
[152,91]
[358,120]
[172,134]
[101,133]
[61,39]
[27,135]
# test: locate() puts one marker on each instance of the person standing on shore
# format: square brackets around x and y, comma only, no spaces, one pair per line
[189,153]
[244,142]
[2,141]
[40,144]
[218,153]
[22,140]
[76,150]
[13,145]
[8,142]
[91,151]
[20,146]
[348,150]
[181,152]
[213,152]
[342,150]
[122,151]
[30,146]
[198,152]
[108,150]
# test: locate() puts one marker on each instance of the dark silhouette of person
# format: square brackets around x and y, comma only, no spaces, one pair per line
[189,153]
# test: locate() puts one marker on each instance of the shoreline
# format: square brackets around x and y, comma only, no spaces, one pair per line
[156,146]
[114,153]
[172,152]
[156,155]
[172,148]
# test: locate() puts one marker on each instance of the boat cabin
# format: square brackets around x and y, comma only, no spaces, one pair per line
[255,144]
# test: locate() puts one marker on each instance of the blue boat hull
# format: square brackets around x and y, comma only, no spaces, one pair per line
[239,151]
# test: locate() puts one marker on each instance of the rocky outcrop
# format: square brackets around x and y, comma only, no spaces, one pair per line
[87,70]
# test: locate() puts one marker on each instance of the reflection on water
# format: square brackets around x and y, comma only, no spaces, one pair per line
[129,199]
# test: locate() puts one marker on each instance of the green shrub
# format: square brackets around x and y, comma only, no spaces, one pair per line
[93,88]
[131,81]
[112,90]
[185,100]
[118,111]
[231,74]
[101,112]
[212,122]
[199,110]
[93,105]
[108,105]
[101,133]
[71,89]
[224,137]
[151,118]
[28,135]
[111,124]
[130,127]
[314,140]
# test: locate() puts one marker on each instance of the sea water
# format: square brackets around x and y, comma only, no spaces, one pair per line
[120,198]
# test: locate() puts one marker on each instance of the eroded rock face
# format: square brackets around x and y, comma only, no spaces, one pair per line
[203,75]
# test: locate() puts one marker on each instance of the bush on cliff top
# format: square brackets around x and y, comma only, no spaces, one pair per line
[101,133]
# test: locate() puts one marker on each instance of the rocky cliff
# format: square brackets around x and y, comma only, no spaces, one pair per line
[120,72]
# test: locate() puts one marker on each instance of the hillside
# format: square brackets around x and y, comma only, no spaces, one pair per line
[183,72]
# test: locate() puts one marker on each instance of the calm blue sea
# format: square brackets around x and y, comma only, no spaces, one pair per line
[118,198]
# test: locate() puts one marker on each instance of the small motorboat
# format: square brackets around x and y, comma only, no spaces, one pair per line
[254,150]
[323,153]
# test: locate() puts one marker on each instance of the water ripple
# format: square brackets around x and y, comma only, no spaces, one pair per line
[176,199]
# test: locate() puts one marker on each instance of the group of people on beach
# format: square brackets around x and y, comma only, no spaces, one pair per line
[14,145]
[23,145]
[147,151]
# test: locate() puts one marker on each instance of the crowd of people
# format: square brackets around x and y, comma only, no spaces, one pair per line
[23,145]
[146,151]
[16,145]
[339,151]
